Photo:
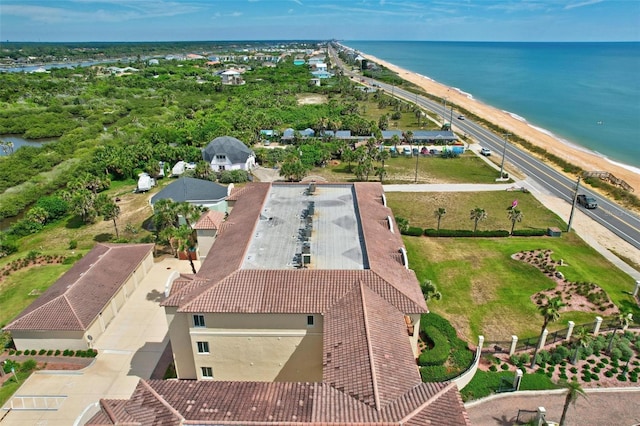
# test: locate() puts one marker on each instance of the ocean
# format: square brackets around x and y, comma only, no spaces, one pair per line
[584,94]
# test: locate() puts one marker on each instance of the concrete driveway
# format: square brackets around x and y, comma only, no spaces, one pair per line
[128,350]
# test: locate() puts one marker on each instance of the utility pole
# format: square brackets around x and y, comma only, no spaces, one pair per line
[417,156]
[573,206]
[504,153]
[444,110]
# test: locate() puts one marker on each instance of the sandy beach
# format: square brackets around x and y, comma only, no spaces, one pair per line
[587,160]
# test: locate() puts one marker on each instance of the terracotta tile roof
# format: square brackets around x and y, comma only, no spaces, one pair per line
[211,219]
[145,407]
[76,298]
[374,362]
[285,291]
[169,402]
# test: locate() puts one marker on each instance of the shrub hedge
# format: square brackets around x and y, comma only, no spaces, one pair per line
[529,232]
[430,232]
[440,351]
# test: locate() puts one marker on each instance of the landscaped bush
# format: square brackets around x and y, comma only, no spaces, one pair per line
[42,352]
[434,373]
[529,232]
[493,368]
[50,352]
[413,231]
[28,365]
[440,351]
[505,366]
[57,352]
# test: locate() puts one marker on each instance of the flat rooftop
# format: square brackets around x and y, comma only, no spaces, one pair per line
[317,229]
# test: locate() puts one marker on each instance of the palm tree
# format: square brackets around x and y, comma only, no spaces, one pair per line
[477,215]
[514,215]
[622,322]
[430,291]
[550,312]
[583,338]
[408,136]
[439,213]
[574,390]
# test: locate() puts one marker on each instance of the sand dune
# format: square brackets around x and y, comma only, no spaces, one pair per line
[516,125]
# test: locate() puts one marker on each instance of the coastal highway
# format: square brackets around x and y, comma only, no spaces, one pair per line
[622,222]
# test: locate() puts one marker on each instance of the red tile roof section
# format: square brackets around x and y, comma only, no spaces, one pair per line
[145,407]
[382,245]
[167,402]
[211,219]
[76,298]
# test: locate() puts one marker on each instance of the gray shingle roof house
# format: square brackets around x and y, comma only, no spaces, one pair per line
[77,308]
[195,191]
[228,153]
[314,341]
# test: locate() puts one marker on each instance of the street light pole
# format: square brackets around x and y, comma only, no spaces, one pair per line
[573,206]
[417,156]
[504,152]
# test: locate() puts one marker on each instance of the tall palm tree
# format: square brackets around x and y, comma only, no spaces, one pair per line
[550,312]
[439,213]
[622,321]
[514,215]
[477,215]
[574,390]
[583,338]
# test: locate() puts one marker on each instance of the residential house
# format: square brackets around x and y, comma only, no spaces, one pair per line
[304,312]
[198,192]
[228,153]
[79,306]
[232,77]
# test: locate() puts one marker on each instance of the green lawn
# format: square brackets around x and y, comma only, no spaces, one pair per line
[15,290]
[468,168]
[420,207]
[484,290]
[11,386]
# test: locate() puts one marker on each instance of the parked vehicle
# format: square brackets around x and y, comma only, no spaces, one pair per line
[587,201]
[485,151]
[406,151]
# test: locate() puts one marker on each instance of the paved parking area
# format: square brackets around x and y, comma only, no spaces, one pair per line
[128,350]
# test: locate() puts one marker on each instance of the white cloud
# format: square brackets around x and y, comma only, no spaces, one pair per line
[110,11]
[584,3]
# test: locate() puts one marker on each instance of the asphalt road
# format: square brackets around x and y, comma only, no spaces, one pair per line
[622,222]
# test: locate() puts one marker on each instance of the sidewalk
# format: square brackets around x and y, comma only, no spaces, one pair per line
[602,407]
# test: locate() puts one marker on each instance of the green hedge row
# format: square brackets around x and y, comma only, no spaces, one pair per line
[89,353]
[500,233]
[529,232]
[464,233]
[440,351]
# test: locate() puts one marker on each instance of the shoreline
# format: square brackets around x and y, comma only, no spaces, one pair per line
[517,125]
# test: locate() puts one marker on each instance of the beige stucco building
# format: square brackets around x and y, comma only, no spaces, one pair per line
[79,306]
[304,311]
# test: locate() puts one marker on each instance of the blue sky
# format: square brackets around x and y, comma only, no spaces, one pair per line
[455,20]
